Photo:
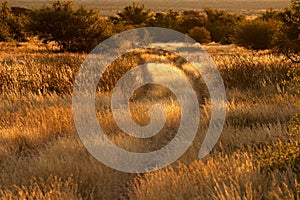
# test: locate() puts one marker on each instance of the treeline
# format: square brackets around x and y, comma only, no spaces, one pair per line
[81,29]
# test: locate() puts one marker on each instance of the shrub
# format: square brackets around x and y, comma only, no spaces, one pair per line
[191,19]
[171,19]
[221,25]
[200,34]
[11,27]
[287,38]
[4,32]
[135,15]
[73,29]
[255,34]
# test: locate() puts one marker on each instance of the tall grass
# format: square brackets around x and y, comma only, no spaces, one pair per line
[41,156]
[48,73]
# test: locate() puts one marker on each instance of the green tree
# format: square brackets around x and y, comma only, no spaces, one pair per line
[171,19]
[191,19]
[73,29]
[135,15]
[4,28]
[200,34]
[11,27]
[255,34]
[287,39]
[221,25]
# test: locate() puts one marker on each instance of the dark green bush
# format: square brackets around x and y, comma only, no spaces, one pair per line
[135,15]
[171,19]
[200,34]
[256,34]
[287,38]
[221,25]
[73,29]
[192,19]
[12,27]
[4,32]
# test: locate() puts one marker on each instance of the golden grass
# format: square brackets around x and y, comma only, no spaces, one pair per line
[41,156]
[219,177]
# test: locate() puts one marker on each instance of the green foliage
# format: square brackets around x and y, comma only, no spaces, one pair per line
[73,29]
[4,32]
[135,15]
[11,27]
[221,25]
[200,34]
[131,17]
[81,29]
[191,19]
[287,39]
[256,34]
[4,28]
[171,19]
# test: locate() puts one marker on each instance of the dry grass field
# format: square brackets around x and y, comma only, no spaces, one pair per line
[41,156]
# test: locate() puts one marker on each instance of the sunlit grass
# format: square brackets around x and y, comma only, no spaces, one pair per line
[41,156]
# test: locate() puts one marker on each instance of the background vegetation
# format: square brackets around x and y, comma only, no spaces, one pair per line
[81,29]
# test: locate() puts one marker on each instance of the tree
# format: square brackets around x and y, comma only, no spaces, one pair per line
[171,19]
[4,28]
[287,39]
[200,34]
[221,24]
[255,34]
[135,15]
[11,27]
[73,29]
[191,19]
